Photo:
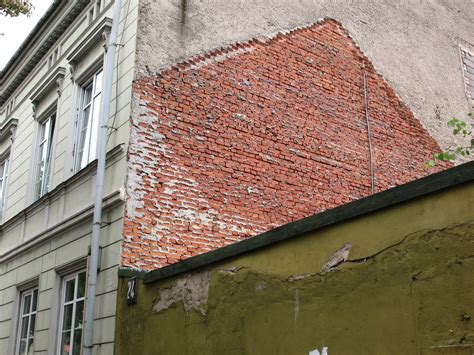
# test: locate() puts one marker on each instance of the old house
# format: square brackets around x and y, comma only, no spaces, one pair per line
[227,120]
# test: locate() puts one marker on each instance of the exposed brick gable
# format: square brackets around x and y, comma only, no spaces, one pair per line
[247,138]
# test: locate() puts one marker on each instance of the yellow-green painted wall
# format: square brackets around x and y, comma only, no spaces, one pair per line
[406,287]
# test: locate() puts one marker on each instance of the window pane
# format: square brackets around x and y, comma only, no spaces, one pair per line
[22,349]
[79,314]
[32,325]
[24,328]
[87,92]
[81,287]
[41,133]
[77,342]
[66,343]
[95,128]
[70,290]
[26,304]
[30,346]
[98,83]
[35,300]
[84,139]
[67,319]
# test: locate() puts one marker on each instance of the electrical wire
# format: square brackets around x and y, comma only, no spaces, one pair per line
[120,45]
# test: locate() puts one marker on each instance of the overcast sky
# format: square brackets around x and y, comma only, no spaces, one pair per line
[13,30]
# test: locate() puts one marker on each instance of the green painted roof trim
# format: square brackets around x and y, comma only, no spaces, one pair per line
[403,193]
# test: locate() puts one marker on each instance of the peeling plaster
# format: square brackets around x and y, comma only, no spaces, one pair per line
[192,290]
[324,351]
[341,255]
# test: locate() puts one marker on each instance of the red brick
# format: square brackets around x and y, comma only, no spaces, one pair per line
[276,132]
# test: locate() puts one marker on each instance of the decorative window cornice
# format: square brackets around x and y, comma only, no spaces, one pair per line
[8,128]
[96,35]
[55,80]
[43,38]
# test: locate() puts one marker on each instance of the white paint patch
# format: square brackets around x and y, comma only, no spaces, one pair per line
[341,255]
[324,351]
[169,191]
[182,181]
[253,190]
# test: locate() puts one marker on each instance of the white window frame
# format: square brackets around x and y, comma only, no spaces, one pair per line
[44,155]
[73,302]
[5,163]
[28,316]
[83,155]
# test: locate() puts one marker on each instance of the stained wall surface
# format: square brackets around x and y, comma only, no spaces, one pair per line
[394,281]
[241,140]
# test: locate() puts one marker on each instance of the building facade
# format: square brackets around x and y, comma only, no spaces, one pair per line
[364,278]
[187,73]
[50,96]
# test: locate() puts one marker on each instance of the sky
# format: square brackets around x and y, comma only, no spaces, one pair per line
[13,30]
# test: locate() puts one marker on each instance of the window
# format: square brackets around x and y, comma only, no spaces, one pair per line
[468,64]
[4,165]
[72,310]
[45,137]
[88,123]
[26,328]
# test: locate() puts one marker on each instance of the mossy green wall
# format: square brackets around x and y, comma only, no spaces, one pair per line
[406,287]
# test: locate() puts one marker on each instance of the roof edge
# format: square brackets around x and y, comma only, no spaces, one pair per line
[432,183]
[24,45]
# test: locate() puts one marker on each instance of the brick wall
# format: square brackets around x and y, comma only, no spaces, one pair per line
[246,138]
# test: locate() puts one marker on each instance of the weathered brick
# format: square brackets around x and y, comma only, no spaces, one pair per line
[246,138]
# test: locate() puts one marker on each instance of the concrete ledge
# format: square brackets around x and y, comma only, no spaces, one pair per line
[403,193]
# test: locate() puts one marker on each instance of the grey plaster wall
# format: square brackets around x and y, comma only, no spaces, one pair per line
[414,44]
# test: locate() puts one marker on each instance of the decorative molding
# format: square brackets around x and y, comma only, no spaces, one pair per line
[8,129]
[28,284]
[96,35]
[54,80]
[71,267]
[60,190]
[44,36]
[72,71]
[82,216]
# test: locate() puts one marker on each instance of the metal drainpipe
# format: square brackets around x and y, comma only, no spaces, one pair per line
[104,115]
[369,134]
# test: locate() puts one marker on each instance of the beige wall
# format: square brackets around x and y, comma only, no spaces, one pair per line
[39,239]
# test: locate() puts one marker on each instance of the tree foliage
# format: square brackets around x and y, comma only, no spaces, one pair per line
[459,127]
[15,7]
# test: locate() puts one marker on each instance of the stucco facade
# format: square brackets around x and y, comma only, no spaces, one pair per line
[45,237]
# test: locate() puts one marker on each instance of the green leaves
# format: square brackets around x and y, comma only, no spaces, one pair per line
[15,8]
[459,127]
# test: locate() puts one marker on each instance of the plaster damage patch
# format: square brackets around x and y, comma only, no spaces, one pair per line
[341,255]
[192,290]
